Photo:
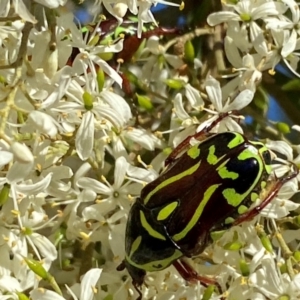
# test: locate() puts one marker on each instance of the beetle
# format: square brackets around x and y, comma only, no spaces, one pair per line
[203,189]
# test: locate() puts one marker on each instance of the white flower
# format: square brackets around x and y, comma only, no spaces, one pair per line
[106,110]
[248,73]
[156,59]
[214,93]
[286,45]
[270,282]
[116,194]
[87,288]
[283,22]
[249,12]
[89,52]
[137,7]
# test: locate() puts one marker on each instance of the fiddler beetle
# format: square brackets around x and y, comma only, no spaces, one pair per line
[204,188]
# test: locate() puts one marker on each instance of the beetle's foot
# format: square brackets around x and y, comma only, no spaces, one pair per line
[190,275]
[271,191]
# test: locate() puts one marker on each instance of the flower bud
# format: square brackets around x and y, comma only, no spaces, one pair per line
[36,267]
[189,52]
[21,153]
[208,292]
[87,100]
[120,9]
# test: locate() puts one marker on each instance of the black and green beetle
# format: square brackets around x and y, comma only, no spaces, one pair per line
[205,188]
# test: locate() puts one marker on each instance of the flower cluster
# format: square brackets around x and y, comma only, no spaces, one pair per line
[259,35]
[75,153]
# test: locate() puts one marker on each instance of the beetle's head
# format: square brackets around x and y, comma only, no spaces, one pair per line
[136,274]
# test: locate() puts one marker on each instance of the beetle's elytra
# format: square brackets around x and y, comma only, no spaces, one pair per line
[208,187]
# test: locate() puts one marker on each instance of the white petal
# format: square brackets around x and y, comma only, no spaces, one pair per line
[52,3]
[81,172]
[21,153]
[179,108]
[89,281]
[107,69]
[21,10]
[142,137]
[85,136]
[62,81]
[93,184]
[37,187]
[281,147]
[268,8]
[121,166]
[258,39]
[290,44]
[214,92]
[193,96]
[5,158]
[87,196]
[241,101]
[18,172]
[45,247]
[232,53]
[44,122]
[117,103]
[9,284]
[42,294]
[114,48]
[220,17]
[71,292]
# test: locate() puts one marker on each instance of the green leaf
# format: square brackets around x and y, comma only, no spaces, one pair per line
[292,85]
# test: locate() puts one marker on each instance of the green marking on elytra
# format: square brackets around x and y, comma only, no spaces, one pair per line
[197,214]
[253,196]
[212,159]
[172,179]
[229,220]
[232,197]
[155,265]
[268,168]
[149,229]
[135,245]
[224,173]
[263,184]
[237,140]
[166,211]
[193,152]
[249,152]
[242,209]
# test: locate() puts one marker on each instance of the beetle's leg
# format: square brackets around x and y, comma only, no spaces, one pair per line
[189,274]
[137,288]
[185,144]
[273,189]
